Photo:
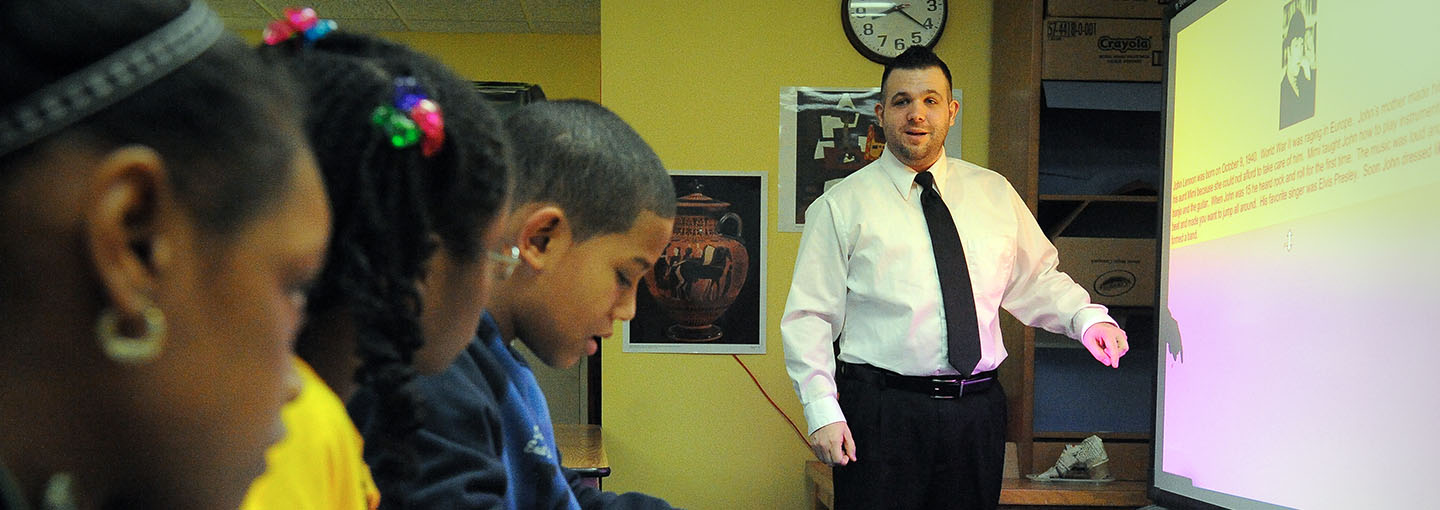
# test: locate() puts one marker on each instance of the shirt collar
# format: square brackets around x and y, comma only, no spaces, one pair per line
[903,177]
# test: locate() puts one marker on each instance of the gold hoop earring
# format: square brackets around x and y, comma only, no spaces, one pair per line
[128,350]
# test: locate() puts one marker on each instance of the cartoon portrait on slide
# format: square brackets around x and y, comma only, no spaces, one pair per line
[1297,62]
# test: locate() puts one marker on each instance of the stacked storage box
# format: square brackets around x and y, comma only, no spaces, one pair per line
[1104,40]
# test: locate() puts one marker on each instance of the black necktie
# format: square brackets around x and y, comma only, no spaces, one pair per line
[962,329]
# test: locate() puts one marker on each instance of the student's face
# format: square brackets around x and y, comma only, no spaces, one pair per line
[454,295]
[916,113]
[205,411]
[592,286]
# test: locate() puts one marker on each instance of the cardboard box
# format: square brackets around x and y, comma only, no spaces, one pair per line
[1104,49]
[1153,9]
[1115,271]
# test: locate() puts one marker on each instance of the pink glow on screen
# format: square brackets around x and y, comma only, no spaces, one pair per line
[1308,373]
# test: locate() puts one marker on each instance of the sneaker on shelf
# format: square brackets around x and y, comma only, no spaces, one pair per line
[1085,462]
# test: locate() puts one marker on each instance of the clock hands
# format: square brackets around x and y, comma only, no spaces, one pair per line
[912,18]
[878,36]
[899,7]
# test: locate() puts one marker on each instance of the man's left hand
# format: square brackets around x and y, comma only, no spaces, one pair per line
[1106,342]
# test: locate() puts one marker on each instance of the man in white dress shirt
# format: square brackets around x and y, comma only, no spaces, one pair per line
[904,428]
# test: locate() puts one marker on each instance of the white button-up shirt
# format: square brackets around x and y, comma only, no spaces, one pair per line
[865,273]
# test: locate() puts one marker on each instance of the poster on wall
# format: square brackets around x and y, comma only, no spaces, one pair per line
[825,135]
[706,294]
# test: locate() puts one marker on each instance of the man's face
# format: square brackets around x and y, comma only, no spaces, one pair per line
[916,113]
[1294,52]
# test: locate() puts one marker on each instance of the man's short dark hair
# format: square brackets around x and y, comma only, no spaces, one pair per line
[917,57]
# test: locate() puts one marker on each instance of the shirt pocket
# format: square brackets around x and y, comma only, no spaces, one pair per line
[991,259]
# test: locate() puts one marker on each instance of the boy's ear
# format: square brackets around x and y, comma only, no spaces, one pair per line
[123,228]
[543,236]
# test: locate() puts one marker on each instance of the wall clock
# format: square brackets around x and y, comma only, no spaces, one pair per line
[882,30]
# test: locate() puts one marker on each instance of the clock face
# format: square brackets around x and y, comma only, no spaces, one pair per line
[882,30]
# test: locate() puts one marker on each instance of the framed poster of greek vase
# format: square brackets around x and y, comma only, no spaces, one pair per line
[706,294]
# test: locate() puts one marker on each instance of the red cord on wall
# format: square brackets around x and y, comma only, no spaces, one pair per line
[803,439]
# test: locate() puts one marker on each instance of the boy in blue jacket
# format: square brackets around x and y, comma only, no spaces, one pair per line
[592,210]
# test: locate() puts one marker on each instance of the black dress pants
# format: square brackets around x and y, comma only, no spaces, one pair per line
[915,452]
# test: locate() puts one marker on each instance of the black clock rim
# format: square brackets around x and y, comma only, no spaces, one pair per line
[870,54]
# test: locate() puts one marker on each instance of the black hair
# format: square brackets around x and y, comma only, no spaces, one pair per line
[222,122]
[1295,28]
[390,205]
[587,160]
[917,57]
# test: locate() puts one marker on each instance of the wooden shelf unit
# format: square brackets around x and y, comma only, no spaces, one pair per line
[1016,106]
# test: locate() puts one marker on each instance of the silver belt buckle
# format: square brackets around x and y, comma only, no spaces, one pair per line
[937,385]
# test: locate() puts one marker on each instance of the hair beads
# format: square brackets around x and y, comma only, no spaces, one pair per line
[413,118]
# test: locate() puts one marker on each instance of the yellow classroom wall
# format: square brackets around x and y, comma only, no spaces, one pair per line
[701,82]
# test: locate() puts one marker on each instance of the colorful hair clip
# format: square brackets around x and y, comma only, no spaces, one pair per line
[297,20]
[412,118]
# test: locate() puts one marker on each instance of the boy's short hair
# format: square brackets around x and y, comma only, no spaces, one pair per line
[584,158]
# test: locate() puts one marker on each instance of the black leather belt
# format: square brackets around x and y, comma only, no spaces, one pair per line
[937,386]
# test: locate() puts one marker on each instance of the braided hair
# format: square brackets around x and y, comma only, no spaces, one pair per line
[390,207]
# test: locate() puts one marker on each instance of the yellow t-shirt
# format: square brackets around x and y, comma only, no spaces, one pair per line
[319,464]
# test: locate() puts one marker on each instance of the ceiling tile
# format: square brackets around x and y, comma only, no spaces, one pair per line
[371,25]
[462,26]
[552,27]
[238,9]
[458,16]
[565,11]
[461,10]
[246,22]
[340,9]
